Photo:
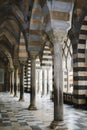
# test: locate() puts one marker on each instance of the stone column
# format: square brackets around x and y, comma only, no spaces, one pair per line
[6,80]
[33,84]
[43,82]
[48,88]
[12,81]
[67,80]
[15,81]
[38,82]
[21,82]
[58,122]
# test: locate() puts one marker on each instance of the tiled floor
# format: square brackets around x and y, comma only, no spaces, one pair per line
[15,116]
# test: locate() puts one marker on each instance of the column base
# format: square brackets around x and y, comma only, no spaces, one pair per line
[21,100]
[11,93]
[15,95]
[58,125]
[32,107]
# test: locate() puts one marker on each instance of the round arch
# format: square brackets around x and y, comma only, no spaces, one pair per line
[7,54]
[13,10]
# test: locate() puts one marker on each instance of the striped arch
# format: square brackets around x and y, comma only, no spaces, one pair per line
[19,16]
[15,12]
[13,26]
[46,55]
[35,36]
[80,68]
[22,52]
[6,52]
[46,11]
[22,24]
[38,24]
[5,32]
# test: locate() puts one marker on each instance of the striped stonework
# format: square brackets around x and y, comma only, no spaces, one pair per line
[80,67]
[23,55]
[53,15]
[27,76]
[46,59]
[29,73]
[19,17]
[46,62]
[60,14]
[46,17]
[35,28]
[6,52]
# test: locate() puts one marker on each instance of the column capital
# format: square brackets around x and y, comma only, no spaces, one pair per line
[57,36]
[22,62]
[16,66]
[11,70]
[33,54]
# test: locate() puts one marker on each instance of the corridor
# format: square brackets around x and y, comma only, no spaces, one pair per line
[15,116]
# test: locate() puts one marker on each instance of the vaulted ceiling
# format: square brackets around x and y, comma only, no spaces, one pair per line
[31,17]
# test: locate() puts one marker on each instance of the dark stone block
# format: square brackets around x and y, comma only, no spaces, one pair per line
[35,128]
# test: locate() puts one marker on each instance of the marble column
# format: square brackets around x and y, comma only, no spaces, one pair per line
[6,80]
[58,122]
[67,80]
[15,81]
[48,88]
[12,81]
[43,82]
[33,84]
[21,82]
[38,81]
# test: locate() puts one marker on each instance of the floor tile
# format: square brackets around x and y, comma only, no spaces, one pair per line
[15,115]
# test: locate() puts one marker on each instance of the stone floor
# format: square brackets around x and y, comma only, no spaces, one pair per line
[15,116]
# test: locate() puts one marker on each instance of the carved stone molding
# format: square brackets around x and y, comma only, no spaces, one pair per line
[73,35]
[57,36]
[11,70]
[34,54]
[22,62]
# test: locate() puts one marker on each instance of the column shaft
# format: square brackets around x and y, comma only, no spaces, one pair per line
[12,82]
[43,83]
[47,81]
[33,85]
[58,80]
[58,123]
[22,83]
[38,81]
[15,82]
